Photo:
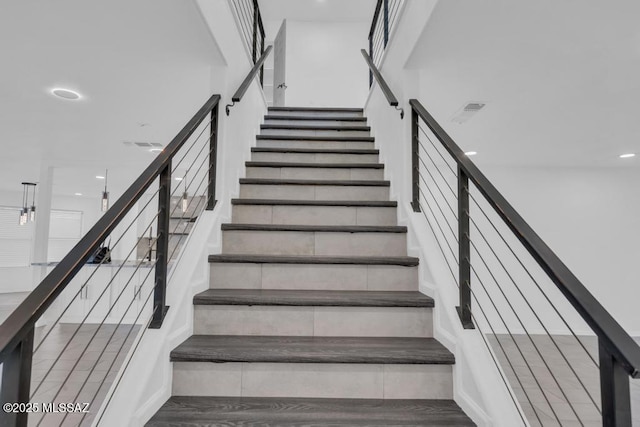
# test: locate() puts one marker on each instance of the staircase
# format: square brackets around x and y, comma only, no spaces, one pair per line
[313,316]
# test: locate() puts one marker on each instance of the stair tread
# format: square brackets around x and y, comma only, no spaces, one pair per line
[362,203]
[316,127]
[294,349]
[320,109]
[351,183]
[303,118]
[314,150]
[183,411]
[317,298]
[315,165]
[315,259]
[318,228]
[314,138]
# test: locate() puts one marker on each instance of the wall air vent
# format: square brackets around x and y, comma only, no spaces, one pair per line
[468,111]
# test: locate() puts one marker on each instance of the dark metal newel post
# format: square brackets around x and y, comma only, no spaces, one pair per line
[415,159]
[370,56]
[386,22]
[162,249]
[16,381]
[464,250]
[614,391]
[213,159]
[255,31]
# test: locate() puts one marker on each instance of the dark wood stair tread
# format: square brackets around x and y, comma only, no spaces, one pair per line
[320,118]
[340,183]
[292,349]
[315,138]
[312,298]
[319,109]
[316,127]
[404,261]
[189,411]
[314,150]
[317,228]
[361,203]
[314,165]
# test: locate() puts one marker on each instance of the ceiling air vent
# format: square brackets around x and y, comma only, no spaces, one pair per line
[468,111]
[143,145]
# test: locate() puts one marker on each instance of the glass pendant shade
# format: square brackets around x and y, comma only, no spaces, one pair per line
[185,202]
[105,201]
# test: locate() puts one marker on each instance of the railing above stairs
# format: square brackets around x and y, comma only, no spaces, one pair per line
[125,298]
[553,378]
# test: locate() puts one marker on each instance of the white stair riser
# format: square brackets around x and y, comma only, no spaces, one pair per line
[311,122]
[315,173]
[314,215]
[322,380]
[333,114]
[310,132]
[313,243]
[313,321]
[284,143]
[314,192]
[339,277]
[314,158]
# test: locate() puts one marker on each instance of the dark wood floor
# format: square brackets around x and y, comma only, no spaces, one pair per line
[274,349]
[288,412]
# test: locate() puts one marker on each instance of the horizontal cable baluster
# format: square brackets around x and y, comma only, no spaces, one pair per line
[437,150]
[455,278]
[526,331]
[534,313]
[188,205]
[94,305]
[135,322]
[455,235]
[504,322]
[524,390]
[92,274]
[126,366]
[75,399]
[453,192]
[533,279]
[95,332]
[442,231]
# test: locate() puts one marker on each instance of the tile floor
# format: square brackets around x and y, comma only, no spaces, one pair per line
[564,398]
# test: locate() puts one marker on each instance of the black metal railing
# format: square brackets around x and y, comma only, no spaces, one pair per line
[518,294]
[242,89]
[384,20]
[251,28]
[384,87]
[72,333]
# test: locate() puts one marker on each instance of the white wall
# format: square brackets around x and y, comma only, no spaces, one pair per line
[324,64]
[589,218]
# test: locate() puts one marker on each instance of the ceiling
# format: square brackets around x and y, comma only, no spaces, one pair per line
[316,11]
[560,79]
[143,68]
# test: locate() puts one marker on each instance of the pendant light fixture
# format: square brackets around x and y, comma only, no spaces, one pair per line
[185,196]
[27,214]
[32,210]
[105,193]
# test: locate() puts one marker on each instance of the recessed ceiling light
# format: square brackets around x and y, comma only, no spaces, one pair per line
[68,94]
[99,177]
[626,156]
[78,194]
[178,178]
[155,150]
[471,153]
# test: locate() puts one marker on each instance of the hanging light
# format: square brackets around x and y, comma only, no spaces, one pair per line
[32,210]
[185,195]
[105,193]
[25,212]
